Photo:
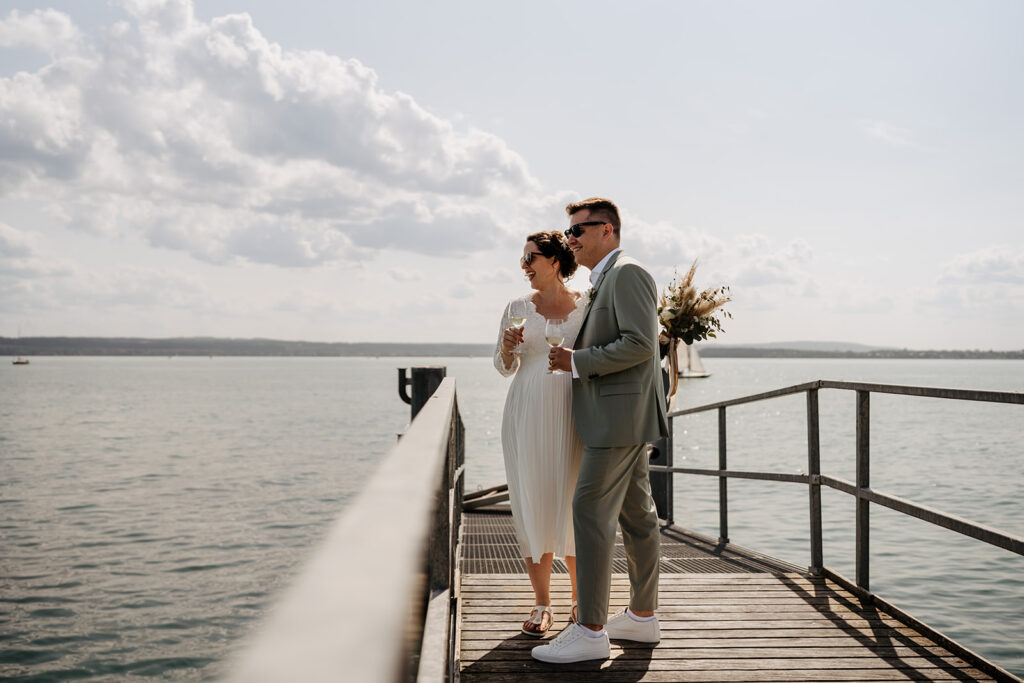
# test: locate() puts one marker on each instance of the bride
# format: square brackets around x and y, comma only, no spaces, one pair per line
[538,436]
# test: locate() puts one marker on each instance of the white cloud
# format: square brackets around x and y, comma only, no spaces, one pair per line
[665,246]
[23,268]
[206,137]
[479,277]
[853,301]
[762,274]
[890,134]
[47,30]
[761,263]
[461,291]
[988,306]
[404,275]
[35,286]
[14,243]
[992,265]
[133,287]
[984,288]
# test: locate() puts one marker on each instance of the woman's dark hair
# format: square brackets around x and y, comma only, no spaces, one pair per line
[553,243]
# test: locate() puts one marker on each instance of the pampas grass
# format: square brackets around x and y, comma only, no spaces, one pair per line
[689,315]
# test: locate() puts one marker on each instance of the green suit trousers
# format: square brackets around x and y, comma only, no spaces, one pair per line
[613,489]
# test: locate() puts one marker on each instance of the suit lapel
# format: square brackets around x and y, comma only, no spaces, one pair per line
[597,287]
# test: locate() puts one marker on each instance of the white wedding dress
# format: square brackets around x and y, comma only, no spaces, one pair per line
[538,438]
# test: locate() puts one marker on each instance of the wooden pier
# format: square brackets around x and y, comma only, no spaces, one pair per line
[418,582]
[727,614]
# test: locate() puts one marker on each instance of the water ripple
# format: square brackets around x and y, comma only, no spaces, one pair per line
[37,599]
[208,567]
[51,613]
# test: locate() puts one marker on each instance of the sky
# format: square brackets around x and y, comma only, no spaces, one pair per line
[360,172]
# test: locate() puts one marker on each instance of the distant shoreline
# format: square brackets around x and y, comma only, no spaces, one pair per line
[209,346]
[950,354]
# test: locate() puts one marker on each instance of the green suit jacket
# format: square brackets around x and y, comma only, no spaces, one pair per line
[619,399]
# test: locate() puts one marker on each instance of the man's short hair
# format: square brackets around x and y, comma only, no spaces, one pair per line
[600,209]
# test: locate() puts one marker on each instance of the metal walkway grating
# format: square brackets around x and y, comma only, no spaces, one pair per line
[489,547]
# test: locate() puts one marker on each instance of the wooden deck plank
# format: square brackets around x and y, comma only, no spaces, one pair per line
[694,606]
[670,587]
[727,635]
[614,675]
[869,630]
[682,611]
[509,591]
[680,580]
[718,644]
[633,661]
[670,619]
[670,622]
[765,622]
[512,651]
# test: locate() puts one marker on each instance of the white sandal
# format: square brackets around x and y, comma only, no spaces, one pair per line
[536,619]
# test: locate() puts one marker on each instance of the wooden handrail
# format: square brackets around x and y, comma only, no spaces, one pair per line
[351,613]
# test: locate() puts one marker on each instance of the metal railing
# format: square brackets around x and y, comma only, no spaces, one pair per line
[814,479]
[375,602]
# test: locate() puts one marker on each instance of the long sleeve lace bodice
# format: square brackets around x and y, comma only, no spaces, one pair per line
[534,349]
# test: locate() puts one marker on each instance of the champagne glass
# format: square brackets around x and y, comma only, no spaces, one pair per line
[554,334]
[517,317]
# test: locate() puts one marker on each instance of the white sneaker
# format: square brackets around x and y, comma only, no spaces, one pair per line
[624,627]
[573,645]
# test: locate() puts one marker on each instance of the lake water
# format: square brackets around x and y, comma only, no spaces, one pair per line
[152,508]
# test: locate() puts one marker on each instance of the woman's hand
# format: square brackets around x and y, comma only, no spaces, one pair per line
[509,339]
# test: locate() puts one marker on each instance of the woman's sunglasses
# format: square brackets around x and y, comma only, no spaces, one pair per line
[527,258]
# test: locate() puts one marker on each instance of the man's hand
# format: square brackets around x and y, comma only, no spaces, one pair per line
[559,359]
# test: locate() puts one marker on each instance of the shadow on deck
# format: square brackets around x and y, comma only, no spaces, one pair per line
[727,614]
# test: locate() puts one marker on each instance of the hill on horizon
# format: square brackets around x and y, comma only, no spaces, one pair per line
[808,346]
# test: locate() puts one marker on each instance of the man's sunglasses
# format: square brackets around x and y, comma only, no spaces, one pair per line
[577,230]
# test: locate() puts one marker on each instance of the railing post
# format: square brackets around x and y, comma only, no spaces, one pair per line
[723,486]
[457,484]
[814,484]
[424,382]
[439,555]
[863,483]
[661,482]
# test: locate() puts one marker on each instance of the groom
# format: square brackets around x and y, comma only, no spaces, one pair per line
[619,404]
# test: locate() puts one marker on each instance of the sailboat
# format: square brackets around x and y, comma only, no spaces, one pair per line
[19,360]
[689,361]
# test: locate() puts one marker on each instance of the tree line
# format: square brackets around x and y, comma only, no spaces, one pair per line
[210,346]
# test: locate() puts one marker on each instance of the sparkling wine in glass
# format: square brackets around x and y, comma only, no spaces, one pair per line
[517,316]
[554,334]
